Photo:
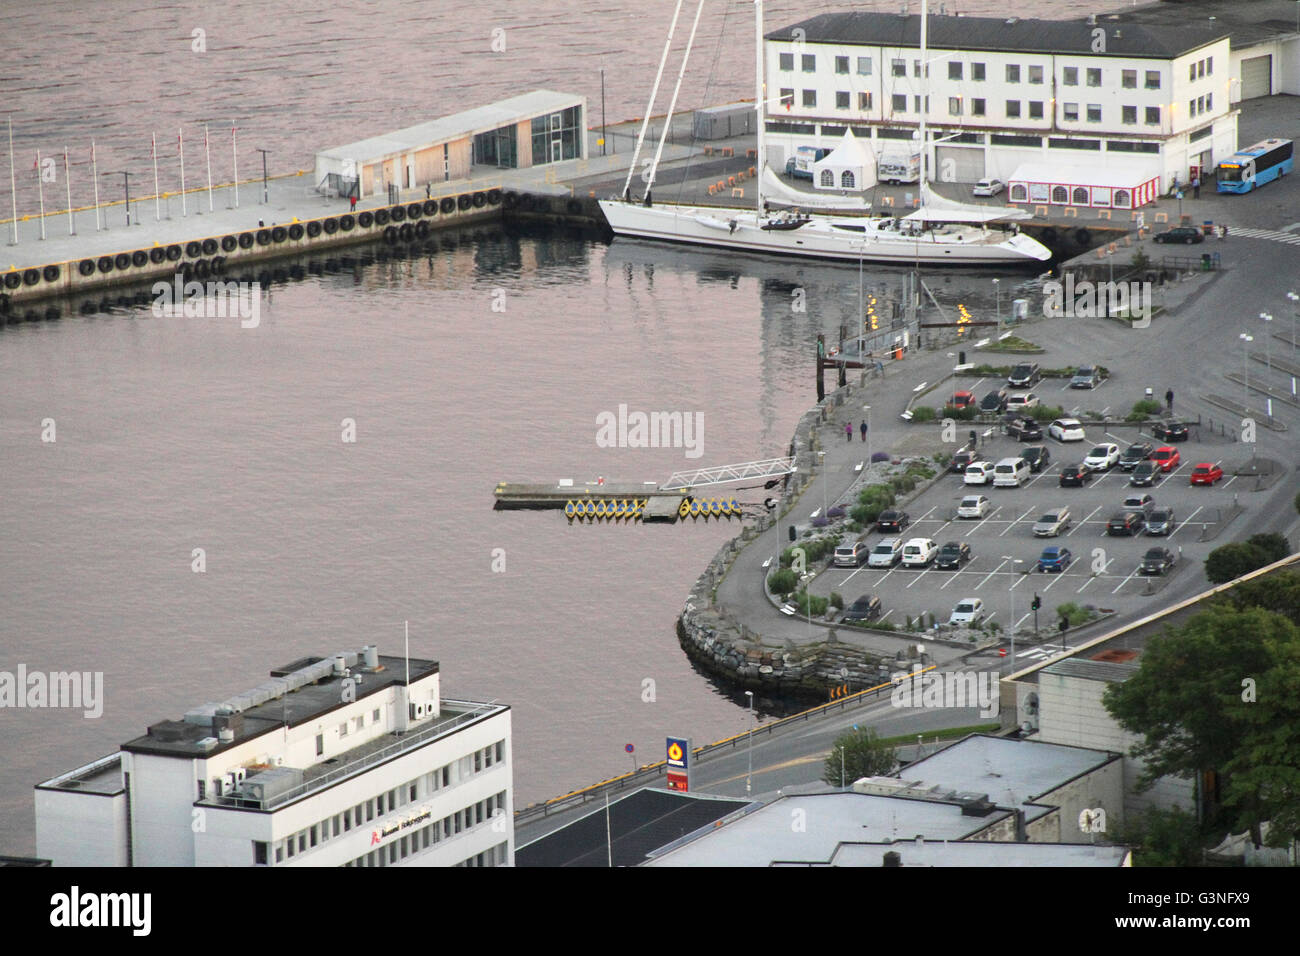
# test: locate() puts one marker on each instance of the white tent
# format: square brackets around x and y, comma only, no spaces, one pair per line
[778,191]
[848,166]
[936,208]
[1122,185]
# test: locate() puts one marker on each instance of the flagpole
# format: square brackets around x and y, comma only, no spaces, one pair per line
[234,150]
[67,181]
[40,188]
[94,174]
[157,193]
[180,145]
[207,155]
[13,187]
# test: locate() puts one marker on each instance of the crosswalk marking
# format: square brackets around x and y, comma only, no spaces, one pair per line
[1272,234]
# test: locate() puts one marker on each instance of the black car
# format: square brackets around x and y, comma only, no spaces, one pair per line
[892,520]
[1025,375]
[1125,523]
[995,401]
[1075,476]
[1187,234]
[1157,561]
[953,555]
[1135,455]
[865,608]
[1037,456]
[962,459]
[1170,431]
[1024,429]
[1146,473]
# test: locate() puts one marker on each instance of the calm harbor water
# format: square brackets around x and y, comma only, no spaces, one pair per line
[176,434]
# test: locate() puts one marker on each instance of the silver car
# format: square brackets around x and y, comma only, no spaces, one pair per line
[1052,523]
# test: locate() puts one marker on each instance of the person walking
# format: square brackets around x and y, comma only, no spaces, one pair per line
[428,190]
[353,203]
[1223,233]
[864,429]
[1169,400]
[1196,187]
[848,431]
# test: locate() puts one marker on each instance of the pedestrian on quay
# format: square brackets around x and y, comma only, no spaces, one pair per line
[353,201]
[1169,400]
[864,429]
[848,431]
[1223,232]
[1196,187]
[428,190]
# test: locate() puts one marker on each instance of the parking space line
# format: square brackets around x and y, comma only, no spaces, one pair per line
[1014,523]
[987,517]
[1127,579]
[1229,481]
[954,577]
[919,576]
[886,614]
[1021,621]
[1187,520]
[990,574]
[1055,577]
[850,577]
[1083,522]
[1093,577]
[926,515]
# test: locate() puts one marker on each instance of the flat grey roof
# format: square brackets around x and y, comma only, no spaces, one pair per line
[825,820]
[102,778]
[481,119]
[1160,41]
[1106,671]
[976,853]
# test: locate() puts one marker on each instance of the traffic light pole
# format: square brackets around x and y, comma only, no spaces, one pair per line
[1038,602]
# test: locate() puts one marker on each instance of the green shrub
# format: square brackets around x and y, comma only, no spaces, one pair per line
[923,413]
[1275,546]
[863,515]
[782,582]
[819,604]
[1135,416]
[880,494]
[854,527]
[1046,413]
[943,460]
[903,483]
[1074,614]
[1148,406]
[969,413]
[837,601]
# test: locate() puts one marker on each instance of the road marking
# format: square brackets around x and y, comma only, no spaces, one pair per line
[987,517]
[919,576]
[886,614]
[924,516]
[850,577]
[1083,522]
[1055,577]
[1179,526]
[1014,523]
[1127,579]
[1228,482]
[990,574]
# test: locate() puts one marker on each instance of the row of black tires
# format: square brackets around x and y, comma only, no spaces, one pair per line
[526,202]
[275,234]
[1081,236]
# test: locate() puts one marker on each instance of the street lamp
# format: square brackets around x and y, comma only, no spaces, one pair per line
[750,774]
[1246,339]
[821,461]
[1012,589]
[997,294]
[265,199]
[1268,348]
[867,409]
[126,179]
[1295,300]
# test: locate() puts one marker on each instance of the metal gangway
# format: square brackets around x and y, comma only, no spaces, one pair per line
[767,468]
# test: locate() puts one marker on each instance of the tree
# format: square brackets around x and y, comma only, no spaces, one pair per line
[1162,837]
[1274,546]
[864,755]
[1230,561]
[1279,592]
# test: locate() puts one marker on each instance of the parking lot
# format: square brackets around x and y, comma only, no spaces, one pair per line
[1105,569]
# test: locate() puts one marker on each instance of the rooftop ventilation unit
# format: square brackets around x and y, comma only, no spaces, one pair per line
[370,656]
[207,743]
[226,734]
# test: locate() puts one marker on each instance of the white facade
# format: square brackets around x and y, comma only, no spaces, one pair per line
[1004,107]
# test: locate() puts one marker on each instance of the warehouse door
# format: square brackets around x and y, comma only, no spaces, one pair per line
[1256,77]
[956,164]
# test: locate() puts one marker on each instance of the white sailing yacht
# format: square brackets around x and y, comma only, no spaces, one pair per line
[939,232]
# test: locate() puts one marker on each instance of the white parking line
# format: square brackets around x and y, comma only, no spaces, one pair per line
[926,515]
[850,577]
[1187,520]
[1083,522]
[1092,578]
[1055,577]
[1229,481]
[984,519]
[1022,621]
[954,577]
[990,574]
[919,576]
[1127,579]
[1014,523]
[886,614]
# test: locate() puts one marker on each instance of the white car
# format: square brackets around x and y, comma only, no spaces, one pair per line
[988,187]
[919,552]
[1020,403]
[1067,429]
[969,611]
[973,506]
[1102,458]
[979,473]
[887,553]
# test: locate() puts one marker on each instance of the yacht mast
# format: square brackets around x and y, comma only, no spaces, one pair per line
[759,103]
[672,104]
[654,92]
[925,94]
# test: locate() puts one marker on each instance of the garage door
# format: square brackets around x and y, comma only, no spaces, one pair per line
[957,164]
[1256,77]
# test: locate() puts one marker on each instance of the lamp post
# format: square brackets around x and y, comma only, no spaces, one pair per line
[126,181]
[750,773]
[821,461]
[997,295]
[1268,348]
[1246,339]
[265,198]
[1012,589]
[1295,315]
[867,409]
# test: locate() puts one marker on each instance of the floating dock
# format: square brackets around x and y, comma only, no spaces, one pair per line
[612,500]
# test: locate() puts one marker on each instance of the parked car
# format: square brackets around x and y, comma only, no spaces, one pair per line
[1187,234]
[1075,476]
[988,187]
[1134,455]
[1055,558]
[995,401]
[961,400]
[1166,458]
[1145,473]
[892,520]
[979,473]
[1157,561]
[1037,457]
[953,555]
[1010,473]
[865,608]
[1206,473]
[1085,376]
[1024,429]
[1024,375]
[968,612]
[963,459]
[1170,431]
[1161,521]
[973,506]
[1103,457]
[1139,502]
[1125,523]
[887,553]
[919,552]
[1067,429]
[1052,523]
[851,555]
[1021,403]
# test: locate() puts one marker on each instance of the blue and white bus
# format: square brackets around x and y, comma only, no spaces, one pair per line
[1256,165]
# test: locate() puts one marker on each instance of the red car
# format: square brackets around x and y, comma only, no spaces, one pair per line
[1166,457]
[961,400]
[1206,474]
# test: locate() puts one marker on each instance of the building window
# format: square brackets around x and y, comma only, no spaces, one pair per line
[787,98]
[1013,109]
[898,103]
[864,66]
[501,750]
[842,100]
[343,729]
[1121,197]
[1060,194]
[1209,101]
[898,67]
[478,760]
[314,831]
[809,63]
[954,71]
[1153,79]
[320,745]
[809,97]
[846,179]
[977,71]
[1191,107]
[1200,104]
[374,716]
[1128,79]
[954,106]
[1153,116]
[1094,77]
[1036,74]
[1035,109]
[916,104]
[1200,69]
[842,64]
[977,107]
[1191,71]
[1070,112]
[1013,73]
[359,721]
[1080,196]
[916,68]
[1070,76]
[864,101]
[1209,66]
[787,62]
[347,819]
[1094,113]
[1130,115]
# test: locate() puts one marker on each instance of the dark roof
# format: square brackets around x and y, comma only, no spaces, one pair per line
[639,823]
[1008,34]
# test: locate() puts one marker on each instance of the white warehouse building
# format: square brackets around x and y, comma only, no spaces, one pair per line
[348,760]
[1147,102]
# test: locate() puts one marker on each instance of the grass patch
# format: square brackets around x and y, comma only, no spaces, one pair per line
[946,734]
[1013,343]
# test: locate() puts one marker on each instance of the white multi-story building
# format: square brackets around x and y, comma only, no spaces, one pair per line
[349,760]
[1151,101]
